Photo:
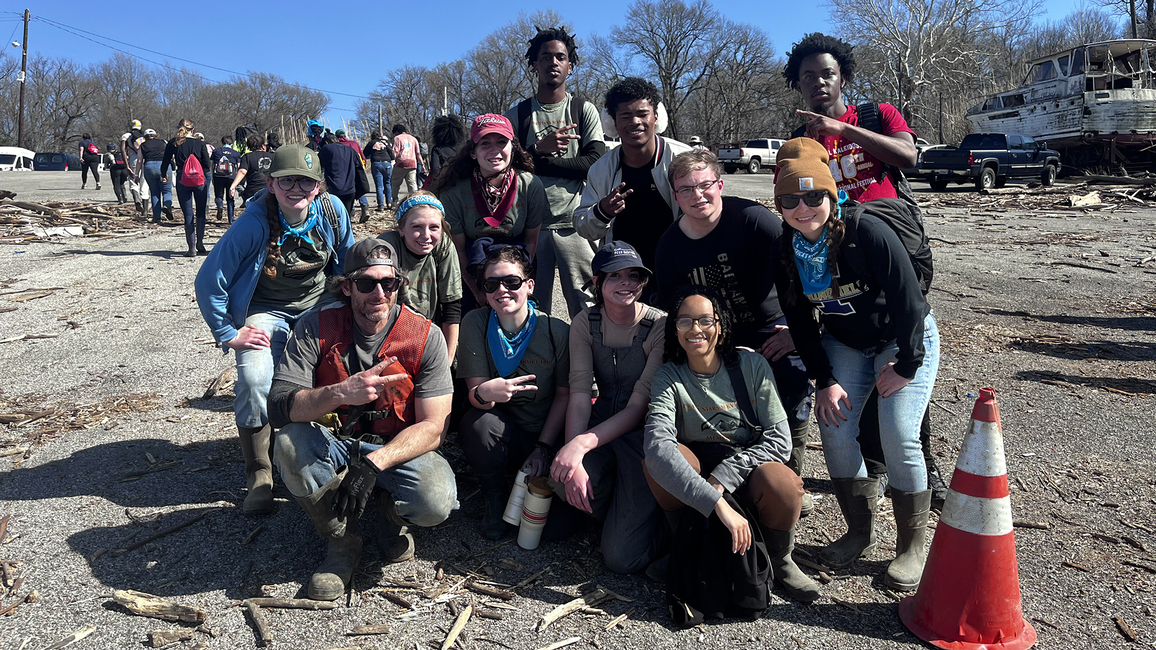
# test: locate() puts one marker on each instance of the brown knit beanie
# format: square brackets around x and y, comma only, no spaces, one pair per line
[801,166]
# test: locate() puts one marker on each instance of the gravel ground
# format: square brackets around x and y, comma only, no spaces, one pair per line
[132,449]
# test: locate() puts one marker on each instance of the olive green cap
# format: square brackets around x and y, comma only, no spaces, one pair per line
[295,160]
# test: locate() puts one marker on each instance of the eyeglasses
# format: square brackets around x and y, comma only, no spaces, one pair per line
[685,323]
[510,282]
[813,199]
[286,183]
[701,188]
[388,285]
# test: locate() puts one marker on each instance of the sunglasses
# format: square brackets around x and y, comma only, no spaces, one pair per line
[286,183]
[388,285]
[813,199]
[685,323]
[510,282]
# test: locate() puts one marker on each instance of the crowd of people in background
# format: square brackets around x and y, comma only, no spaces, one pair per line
[701,334]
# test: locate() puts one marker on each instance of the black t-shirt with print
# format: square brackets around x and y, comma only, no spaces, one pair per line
[256,165]
[646,215]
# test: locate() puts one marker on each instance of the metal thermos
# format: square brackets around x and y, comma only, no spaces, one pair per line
[513,513]
[534,510]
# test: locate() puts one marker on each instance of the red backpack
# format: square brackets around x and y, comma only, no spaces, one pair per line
[93,149]
[191,174]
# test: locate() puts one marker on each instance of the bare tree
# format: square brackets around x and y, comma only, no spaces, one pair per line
[60,93]
[678,42]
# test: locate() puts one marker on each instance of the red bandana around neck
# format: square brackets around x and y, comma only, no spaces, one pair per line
[493,203]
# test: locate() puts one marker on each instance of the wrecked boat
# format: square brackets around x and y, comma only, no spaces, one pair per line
[1096,104]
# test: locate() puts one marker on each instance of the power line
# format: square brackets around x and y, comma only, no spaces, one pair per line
[80,33]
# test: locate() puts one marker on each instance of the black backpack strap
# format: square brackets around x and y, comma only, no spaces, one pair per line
[524,122]
[743,398]
[799,132]
[578,114]
[644,326]
[595,318]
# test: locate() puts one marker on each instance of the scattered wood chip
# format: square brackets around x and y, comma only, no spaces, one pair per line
[561,644]
[1073,565]
[367,630]
[592,599]
[490,591]
[216,384]
[1134,543]
[161,638]
[173,529]
[619,619]
[1043,622]
[1038,525]
[458,626]
[72,638]
[292,603]
[1138,565]
[1125,629]
[264,634]
[253,535]
[143,604]
[848,604]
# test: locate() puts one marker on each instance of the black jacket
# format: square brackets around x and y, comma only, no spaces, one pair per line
[175,157]
[869,309]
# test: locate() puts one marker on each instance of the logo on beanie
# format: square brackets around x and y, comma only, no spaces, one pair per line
[806,184]
[309,161]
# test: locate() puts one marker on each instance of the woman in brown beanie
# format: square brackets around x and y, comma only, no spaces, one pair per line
[878,333]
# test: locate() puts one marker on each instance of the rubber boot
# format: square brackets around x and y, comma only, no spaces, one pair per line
[495,491]
[331,579]
[258,469]
[364,214]
[394,541]
[798,458]
[220,213]
[780,545]
[858,498]
[911,510]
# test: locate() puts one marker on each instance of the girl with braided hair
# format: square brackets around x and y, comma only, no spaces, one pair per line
[268,269]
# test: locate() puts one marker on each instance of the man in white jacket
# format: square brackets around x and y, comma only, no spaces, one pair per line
[628,196]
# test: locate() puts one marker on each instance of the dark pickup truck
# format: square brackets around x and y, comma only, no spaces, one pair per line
[989,160]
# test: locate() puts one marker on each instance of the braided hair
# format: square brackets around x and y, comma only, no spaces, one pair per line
[273,218]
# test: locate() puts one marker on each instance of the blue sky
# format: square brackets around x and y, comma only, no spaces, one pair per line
[346,47]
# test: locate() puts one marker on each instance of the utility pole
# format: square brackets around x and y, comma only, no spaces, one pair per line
[23,82]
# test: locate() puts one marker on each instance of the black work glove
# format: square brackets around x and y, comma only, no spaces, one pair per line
[355,488]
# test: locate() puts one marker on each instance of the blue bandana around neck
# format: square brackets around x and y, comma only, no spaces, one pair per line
[507,351]
[811,260]
[301,232]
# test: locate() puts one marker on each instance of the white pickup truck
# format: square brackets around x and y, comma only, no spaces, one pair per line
[754,155]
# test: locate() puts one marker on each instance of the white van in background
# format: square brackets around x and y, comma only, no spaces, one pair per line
[16,159]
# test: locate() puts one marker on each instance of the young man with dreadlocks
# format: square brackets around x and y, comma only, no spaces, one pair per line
[861,147]
[564,136]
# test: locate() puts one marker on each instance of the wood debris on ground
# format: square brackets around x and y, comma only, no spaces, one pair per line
[19,412]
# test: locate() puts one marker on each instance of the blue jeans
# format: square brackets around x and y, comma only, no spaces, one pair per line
[308,456]
[255,368]
[381,179]
[188,196]
[899,415]
[159,187]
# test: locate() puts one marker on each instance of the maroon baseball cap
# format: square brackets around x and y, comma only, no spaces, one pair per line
[491,123]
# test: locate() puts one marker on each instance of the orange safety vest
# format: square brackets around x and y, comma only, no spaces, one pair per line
[393,409]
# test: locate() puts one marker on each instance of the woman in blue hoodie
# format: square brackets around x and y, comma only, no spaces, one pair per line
[268,269]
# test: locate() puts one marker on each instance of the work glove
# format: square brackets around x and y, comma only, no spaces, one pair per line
[356,487]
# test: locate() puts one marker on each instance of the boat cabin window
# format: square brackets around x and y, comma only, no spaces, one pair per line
[1077,62]
[1010,101]
[1063,63]
[992,103]
[1043,71]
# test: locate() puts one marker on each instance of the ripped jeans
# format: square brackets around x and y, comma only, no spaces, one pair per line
[308,456]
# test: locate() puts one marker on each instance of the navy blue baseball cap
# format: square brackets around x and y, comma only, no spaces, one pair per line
[617,255]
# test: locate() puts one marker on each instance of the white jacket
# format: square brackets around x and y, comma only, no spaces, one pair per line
[606,174]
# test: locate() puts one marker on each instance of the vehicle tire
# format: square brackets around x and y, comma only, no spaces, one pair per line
[753,166]
[1048,178]
[986,179]
[938,184]
[730,169]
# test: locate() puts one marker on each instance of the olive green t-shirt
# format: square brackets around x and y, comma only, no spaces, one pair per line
[434,279]
[564,194]
[300,279]
[530,210]
[547,358]
[704,408]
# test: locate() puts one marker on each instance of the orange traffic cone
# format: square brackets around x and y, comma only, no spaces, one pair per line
[969,596]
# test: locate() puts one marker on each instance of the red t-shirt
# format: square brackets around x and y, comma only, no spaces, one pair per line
[857,172]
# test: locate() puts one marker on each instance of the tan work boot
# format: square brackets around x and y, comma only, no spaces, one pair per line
[858,498]
[255,445]
[330,580]
[911,512]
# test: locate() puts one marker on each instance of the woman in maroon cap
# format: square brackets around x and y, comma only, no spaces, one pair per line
[491,197]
